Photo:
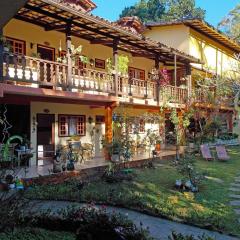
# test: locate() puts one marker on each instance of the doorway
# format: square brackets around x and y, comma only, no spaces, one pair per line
[46,53]
[45,138]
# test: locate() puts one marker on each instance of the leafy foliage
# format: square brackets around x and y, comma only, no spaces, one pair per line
[231,23]
[179,236]
[164,10]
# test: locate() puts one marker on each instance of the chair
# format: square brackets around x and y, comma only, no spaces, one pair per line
[206,154]
[222,154]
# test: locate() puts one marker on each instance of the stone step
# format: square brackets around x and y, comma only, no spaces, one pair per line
[237,178]
[235,185]
[237,211]
[234,196]
[235,203]
[234,189]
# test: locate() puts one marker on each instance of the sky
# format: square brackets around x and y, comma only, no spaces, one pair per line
[215,9]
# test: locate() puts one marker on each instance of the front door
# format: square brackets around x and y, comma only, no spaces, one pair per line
[45,138]
[46,53]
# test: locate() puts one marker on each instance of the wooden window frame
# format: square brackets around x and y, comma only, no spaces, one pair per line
[139,70]
[18,40]
[68,116]
[48,48]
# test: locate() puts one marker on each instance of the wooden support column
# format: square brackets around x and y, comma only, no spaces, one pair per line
[189,80]
[1,56]
[108,124]
[68,55]
[115,64]
[175,74]
[158,82]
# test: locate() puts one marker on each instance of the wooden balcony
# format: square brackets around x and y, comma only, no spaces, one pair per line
[38,73]
[173,94]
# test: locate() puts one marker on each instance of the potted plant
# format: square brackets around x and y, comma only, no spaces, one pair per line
[158,145]
[6,45]
[121,68]
[114,150]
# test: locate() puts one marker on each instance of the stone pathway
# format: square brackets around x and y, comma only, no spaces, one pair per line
[235,196]
[159,228]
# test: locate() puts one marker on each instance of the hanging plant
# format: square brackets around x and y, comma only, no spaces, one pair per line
[75,56]
[122,65]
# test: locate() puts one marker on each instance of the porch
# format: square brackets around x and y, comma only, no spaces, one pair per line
[94,163]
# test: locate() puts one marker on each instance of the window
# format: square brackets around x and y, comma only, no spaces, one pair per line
[136,73]
[17,46]
[70,125]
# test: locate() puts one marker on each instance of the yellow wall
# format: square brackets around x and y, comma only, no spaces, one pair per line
[216,57]
[74,109]
[173,36]
[36,35]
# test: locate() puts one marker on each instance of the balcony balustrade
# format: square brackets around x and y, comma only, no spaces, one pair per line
[35,72]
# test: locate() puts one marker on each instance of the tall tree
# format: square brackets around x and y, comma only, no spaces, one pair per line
[183,9]
[164,10]
[231,24]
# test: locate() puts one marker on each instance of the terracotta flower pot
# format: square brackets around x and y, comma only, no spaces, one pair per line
[158,147]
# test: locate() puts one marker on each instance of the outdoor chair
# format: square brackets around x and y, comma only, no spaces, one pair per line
[206,153]
[222,154]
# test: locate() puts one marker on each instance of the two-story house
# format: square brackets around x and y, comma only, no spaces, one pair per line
[50,100]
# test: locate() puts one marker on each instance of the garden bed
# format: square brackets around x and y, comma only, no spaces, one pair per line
[152,191]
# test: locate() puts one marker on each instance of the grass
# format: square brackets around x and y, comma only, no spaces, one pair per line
[152,191]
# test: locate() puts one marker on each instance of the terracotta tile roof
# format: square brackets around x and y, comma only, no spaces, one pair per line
[83,5]
[53,15]
[204,28]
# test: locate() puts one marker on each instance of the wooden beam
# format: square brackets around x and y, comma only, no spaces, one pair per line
[99,41]
[56,27]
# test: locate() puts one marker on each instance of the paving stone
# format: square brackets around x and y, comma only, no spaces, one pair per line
[237,211]
[234,196]
[235,185]
[234,189]
[235,203]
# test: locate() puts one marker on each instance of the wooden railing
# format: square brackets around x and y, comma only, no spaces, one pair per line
[173,94]
[35,72]
[137,88]
[92,80]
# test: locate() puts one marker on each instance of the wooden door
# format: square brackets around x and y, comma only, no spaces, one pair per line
[45,137]
[46,53]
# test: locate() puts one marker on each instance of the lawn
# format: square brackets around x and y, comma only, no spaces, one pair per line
[152,191]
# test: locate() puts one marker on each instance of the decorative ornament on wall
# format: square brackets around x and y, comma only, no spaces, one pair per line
[45,110]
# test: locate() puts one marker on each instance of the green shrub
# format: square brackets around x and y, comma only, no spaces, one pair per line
[179,236]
